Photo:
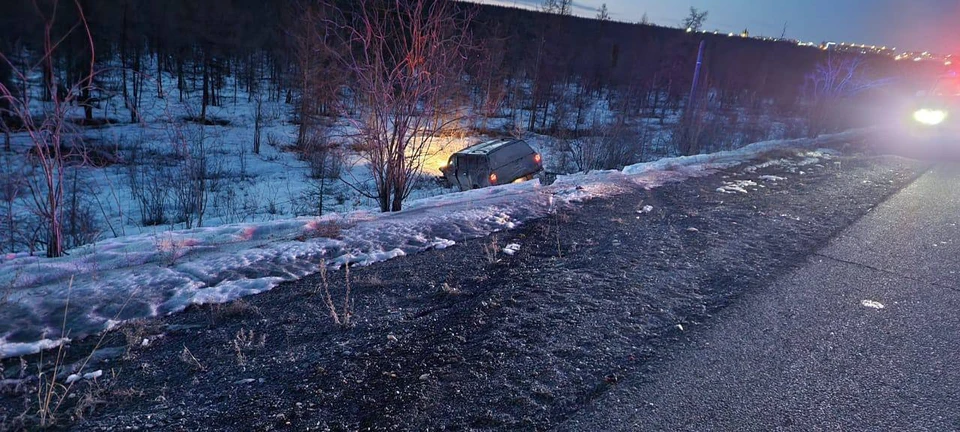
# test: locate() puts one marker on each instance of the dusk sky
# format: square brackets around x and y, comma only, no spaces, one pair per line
[932,25]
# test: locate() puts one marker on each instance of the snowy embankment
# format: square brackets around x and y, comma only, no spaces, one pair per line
[156,274]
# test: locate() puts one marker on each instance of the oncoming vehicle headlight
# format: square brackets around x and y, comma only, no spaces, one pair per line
[930,117]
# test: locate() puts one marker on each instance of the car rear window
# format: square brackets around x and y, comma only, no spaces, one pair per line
[509,153]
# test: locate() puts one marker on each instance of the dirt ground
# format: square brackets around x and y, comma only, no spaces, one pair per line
[471,337]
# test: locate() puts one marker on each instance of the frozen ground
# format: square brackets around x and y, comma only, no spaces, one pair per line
[151,274]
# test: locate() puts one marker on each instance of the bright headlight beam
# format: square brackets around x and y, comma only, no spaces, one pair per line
[930,117]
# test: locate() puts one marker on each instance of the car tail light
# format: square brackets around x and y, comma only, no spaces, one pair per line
[536,157]
[493,179]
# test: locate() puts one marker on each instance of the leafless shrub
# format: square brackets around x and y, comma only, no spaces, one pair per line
[80,224]
[232,206]
[197,174]
[402,84]
[325,160]
[615,146]
[273,140]
[148,181]
[170,248]
[273,207]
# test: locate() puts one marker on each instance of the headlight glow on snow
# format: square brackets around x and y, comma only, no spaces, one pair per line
[930,117]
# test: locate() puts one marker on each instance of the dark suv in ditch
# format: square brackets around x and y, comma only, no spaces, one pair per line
[492,163]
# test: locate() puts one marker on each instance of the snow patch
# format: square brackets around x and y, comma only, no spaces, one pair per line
[871,304]
[738,186]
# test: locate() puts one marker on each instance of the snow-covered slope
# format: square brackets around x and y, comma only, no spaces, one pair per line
[154,274]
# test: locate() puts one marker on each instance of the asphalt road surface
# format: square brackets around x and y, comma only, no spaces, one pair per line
[815,351]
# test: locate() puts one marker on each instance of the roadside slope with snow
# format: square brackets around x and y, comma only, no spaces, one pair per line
[149,275]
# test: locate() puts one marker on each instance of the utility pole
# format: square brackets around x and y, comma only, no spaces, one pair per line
[688,143]
[696,75]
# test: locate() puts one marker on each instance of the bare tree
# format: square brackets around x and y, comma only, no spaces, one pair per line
[258,124]
[49,131]
[694,21]
[559,7]
[603,13]
[5,121]
[405,60]
[316,80]
[832,80]
[11,185]
[489,77]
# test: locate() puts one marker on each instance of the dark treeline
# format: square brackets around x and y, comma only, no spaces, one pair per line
[548,65]
[605,94]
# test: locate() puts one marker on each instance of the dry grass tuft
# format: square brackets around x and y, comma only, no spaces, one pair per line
[246,341]
[491,251]
[341,316]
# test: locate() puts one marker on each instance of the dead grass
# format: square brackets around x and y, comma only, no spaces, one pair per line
[171,249]
[191,361]
[137,334]
[51,393]
[322,229]
[91,399]
[373,280]
[449,289]
[239,308]
[341,316]
[246,341]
